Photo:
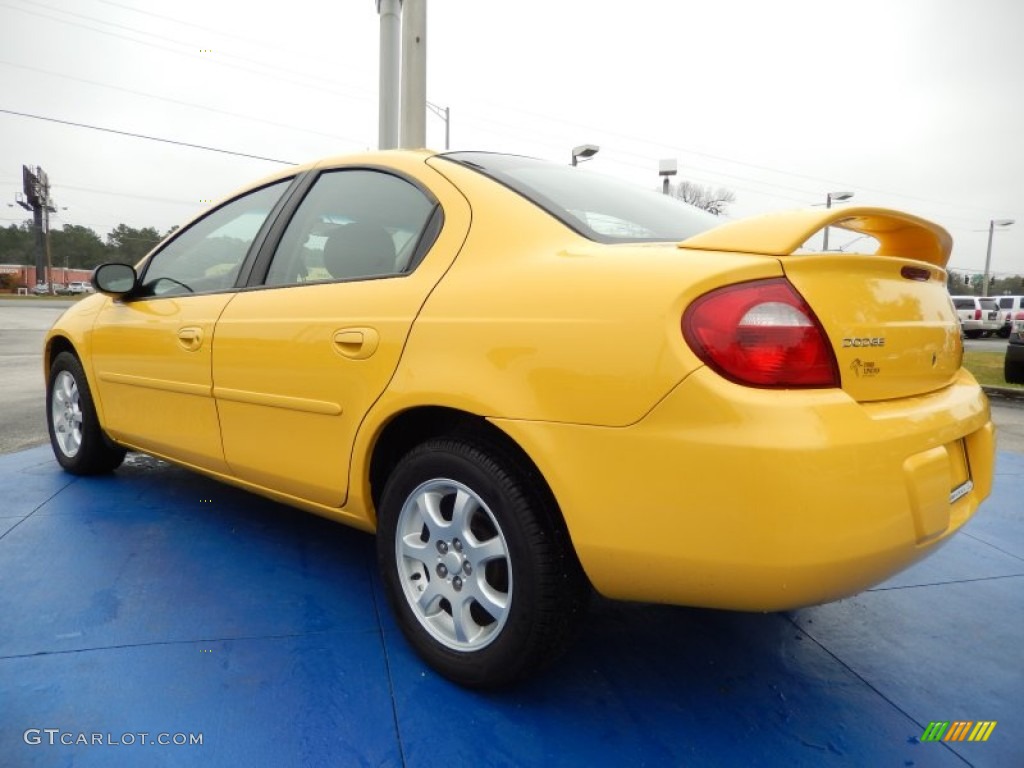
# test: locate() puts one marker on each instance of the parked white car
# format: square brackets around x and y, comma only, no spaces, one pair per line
[1009,306]
[80,287]
[978,316]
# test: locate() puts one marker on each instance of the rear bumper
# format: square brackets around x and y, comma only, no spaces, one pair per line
[730,497]
[987,326]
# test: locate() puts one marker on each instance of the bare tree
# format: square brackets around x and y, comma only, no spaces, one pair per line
[711,200]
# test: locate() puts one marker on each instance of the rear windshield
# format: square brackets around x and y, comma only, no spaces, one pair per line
[989,304]
[598,207]
[965,303]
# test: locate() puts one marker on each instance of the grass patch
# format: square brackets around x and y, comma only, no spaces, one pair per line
[987,368]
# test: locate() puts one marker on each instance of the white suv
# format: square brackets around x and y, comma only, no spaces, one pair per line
[79,287]
[1009,306]
[978,317]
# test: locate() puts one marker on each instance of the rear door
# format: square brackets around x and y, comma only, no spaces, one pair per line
[299,360]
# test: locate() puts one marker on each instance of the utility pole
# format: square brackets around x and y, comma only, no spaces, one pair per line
[414,75]
[390,55]
[992,224]
[36,185]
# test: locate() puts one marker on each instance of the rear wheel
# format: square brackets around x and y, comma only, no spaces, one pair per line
[476,564]
[77,440]
[972,334]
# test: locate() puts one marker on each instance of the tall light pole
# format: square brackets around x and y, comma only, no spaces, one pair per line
[988,253]
[584,152]
[390,12]
[413,112]
[829,198]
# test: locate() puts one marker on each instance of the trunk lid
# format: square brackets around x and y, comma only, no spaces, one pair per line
[893,335]
[888,315]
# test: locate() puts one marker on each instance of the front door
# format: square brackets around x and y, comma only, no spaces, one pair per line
[152,351]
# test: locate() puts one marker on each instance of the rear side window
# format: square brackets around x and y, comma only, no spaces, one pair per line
[353,224]
[598,207]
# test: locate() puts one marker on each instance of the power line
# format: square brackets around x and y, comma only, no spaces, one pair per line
[262,44]
[146,137]
[176,101]
[268,70]
[132,195]
[721,158]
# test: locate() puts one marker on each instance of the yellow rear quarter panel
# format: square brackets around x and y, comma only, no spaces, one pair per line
[535,322]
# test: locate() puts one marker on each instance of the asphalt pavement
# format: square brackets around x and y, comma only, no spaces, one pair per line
[23,324]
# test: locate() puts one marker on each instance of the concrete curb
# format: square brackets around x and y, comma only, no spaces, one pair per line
[1006,394]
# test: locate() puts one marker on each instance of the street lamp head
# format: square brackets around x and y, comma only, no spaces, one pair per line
[835,197]
[1002,222]
[584,152]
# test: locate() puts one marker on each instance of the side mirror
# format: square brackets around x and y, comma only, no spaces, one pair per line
[114,279]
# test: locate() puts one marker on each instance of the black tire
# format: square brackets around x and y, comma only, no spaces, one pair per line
[77,440]
[973,334]
[523,590]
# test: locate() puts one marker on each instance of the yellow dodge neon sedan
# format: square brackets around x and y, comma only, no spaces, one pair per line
[530,380]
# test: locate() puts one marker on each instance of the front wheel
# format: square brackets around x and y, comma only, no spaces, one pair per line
[476,563]
[77,440]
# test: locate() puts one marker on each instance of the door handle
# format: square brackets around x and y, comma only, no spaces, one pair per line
[191,338]
[356,343]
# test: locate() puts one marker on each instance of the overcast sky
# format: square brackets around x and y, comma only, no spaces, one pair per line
[913,104]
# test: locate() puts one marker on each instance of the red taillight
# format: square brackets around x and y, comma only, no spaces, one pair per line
[761,334]
[977,314]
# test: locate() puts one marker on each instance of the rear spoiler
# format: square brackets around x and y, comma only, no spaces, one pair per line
[781,234]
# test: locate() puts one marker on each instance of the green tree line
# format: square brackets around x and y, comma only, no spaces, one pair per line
[78,247]
[967,284]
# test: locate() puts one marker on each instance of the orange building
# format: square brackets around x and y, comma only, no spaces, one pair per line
[21,278]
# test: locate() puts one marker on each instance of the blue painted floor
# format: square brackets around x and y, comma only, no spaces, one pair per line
[157,602]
